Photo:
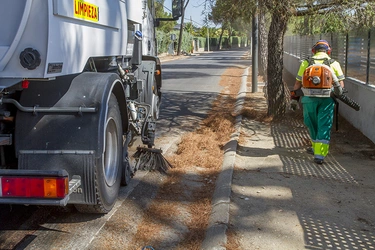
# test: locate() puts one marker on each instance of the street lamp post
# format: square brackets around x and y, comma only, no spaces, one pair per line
[208,39]
[254,79]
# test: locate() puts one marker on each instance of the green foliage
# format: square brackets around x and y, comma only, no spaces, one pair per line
[159,9]
[164,40]
[365,16]
[244,41]
[187,43]
[202,42]
[241,27]
[317,24]
[214,41]
[189,28]
[235,18]
[236,42]
[338,17]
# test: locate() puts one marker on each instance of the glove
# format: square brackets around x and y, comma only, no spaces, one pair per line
[295,98]
[294,105]
[296,94]
[338,90]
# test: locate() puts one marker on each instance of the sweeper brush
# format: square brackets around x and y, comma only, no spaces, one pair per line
[151,159]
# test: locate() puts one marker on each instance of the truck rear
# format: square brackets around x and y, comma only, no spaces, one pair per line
[79,81]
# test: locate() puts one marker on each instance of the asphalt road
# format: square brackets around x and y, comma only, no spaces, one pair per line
[189,87]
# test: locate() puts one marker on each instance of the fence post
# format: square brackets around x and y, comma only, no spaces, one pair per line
[368,57]
[346,54]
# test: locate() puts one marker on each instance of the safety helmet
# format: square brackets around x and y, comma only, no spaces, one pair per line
[321,44]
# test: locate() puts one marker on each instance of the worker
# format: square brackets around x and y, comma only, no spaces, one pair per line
[318,111]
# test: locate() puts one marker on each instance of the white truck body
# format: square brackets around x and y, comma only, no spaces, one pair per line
[79,79]
[66,34]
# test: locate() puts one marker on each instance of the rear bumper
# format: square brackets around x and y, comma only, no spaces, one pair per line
[74,183]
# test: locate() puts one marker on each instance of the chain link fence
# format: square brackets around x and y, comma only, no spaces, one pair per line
[355,51]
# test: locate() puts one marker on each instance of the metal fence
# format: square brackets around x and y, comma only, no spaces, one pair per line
[355,51]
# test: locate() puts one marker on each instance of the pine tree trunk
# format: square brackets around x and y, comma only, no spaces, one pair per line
[263,51]
[275,88]
[229,37]
[220,38]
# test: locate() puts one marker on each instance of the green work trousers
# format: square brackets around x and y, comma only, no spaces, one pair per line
[318,117]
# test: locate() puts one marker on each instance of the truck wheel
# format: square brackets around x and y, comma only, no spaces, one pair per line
[108,166]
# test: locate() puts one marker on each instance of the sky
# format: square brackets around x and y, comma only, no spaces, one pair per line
[193,10]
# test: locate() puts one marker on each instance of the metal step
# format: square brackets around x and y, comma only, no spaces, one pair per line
[5,139]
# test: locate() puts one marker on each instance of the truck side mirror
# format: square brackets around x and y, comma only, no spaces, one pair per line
[176,9]
[176,12]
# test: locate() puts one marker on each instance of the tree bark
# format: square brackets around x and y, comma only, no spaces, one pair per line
[220,38]
[277,99]
[263,51]
[229,37]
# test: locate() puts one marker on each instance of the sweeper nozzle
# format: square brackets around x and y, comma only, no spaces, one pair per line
[151,159]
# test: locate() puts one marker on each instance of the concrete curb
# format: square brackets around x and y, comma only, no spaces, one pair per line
[216,238]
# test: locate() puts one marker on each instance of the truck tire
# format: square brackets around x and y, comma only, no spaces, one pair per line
[108,166]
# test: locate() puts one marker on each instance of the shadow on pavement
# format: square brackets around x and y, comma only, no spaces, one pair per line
[281,199]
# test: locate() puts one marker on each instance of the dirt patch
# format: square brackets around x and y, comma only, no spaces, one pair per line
[254,105]
[182,206]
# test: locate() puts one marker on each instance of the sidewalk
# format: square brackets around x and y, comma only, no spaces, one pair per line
[281,199]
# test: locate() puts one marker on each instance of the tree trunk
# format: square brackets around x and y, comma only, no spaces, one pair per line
[229,37]
[277,99]
[220,38]
[263,51]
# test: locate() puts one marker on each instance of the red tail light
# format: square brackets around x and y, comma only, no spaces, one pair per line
[34,187]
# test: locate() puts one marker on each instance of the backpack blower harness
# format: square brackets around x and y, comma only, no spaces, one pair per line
[318,80]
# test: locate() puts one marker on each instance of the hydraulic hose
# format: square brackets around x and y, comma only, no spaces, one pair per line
[348,101]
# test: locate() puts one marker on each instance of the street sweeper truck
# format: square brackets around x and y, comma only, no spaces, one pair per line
[79,81]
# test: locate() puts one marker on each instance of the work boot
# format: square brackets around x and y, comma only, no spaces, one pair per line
[318,161]
[310,151]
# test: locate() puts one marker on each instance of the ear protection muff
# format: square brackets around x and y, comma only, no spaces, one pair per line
[322,44]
